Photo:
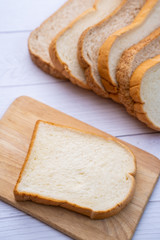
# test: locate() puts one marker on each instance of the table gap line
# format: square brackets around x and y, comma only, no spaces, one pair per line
[137,134]
[15,31]
[34,84]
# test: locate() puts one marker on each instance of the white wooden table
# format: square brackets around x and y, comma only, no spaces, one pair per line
[19,76]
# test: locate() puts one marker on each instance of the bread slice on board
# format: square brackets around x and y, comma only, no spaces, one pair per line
[146,22]
[80,171]
[63,49]
[92,39]
[42,36]
[147,48]
[145,91]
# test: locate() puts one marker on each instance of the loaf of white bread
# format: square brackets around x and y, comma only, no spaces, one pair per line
[80,171]
[98,44]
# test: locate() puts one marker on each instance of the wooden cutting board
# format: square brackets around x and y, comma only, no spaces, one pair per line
[16,128]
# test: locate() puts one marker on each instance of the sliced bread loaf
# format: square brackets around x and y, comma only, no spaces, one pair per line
[41,37]
[80,171]
[145,91]
[146,22]
[93,38]
[147,48]
[63,49]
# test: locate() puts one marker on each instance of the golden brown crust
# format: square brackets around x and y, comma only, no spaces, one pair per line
[110,88]
[92,84]
[103,60]
[82,61]
[114,97]
[87,68]
[24,196]
[125,70]
[122,74]
[85,64]
[76,208]
[135,86]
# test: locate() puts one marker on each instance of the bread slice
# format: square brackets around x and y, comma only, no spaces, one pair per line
[92,39]
[63,49]
[147,48]
[146,22]
[80,171]
[144,90]
[41,37]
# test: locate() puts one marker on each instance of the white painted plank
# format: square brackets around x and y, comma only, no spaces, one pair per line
[16,225]
[82,104]
[19,15]
[149,225]
[149,143]
[16,67]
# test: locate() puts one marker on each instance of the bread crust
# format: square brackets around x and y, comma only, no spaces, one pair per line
[24,196]
[135,86]
[47,67]
[85,64]
[125,70]
[103,60]
[57,61]
[92,84]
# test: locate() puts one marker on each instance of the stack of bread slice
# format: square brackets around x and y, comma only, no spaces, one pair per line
[100,46]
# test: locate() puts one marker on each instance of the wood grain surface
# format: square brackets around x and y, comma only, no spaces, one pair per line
[16,128]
